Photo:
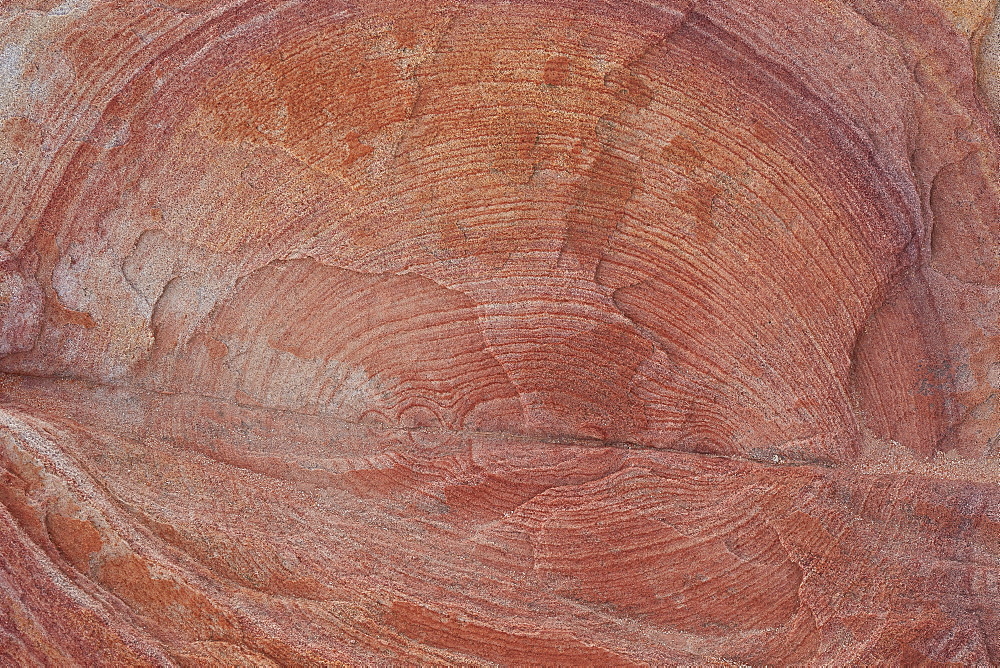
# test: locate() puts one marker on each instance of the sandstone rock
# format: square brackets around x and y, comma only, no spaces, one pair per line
[471,332]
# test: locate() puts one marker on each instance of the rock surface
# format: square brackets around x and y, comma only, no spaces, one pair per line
[559,332]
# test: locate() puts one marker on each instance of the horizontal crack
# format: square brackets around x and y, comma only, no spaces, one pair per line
[765,456]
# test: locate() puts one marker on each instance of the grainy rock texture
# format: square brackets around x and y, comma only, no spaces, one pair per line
[606,332]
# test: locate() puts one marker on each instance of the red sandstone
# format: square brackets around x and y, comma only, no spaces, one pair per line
[546,332]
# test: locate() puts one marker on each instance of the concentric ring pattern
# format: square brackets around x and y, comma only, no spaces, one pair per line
[469,332]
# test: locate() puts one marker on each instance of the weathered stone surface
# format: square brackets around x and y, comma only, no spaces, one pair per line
[466,332]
